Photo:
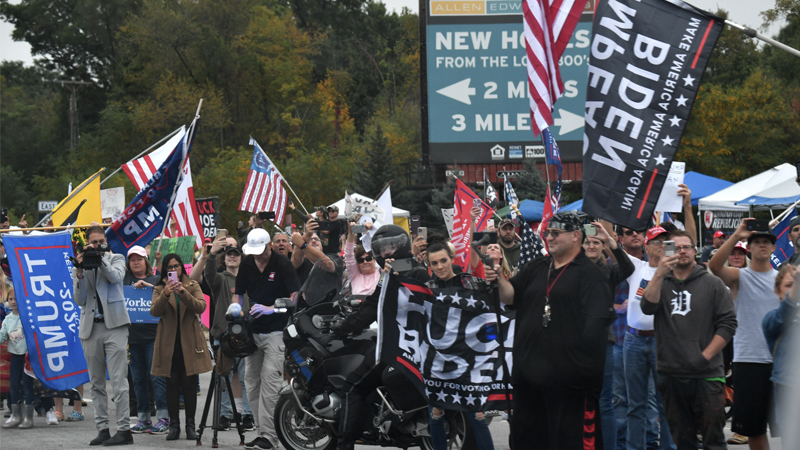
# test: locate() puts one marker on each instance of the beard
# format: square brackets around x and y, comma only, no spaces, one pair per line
[509,239]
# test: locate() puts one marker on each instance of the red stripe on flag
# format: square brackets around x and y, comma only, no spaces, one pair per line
[647,193]
[41,364]
[416,288]
[408,366]
[702,43]
[499,397]
[147,159]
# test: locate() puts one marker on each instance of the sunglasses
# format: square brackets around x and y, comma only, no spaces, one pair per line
[555,234]
[367,258]
[631,232]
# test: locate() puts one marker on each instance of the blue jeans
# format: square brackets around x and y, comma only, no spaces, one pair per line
[639,354]
[483,437]
[620,398]
[607,417]
[141,365]
[20,383]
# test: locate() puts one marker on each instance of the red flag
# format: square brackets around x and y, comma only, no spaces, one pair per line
[462,203]
[548,28]
[547,214]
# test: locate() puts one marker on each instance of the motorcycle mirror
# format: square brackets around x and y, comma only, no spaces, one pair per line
[283,305]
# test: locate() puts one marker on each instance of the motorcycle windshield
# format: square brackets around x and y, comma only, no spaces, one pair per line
[324,281]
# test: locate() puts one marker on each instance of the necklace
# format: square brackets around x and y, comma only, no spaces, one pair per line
[546,315]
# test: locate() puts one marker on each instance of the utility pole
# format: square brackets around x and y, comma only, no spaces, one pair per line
[73,108]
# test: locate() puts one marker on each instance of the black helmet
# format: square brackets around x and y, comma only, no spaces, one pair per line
[390,241]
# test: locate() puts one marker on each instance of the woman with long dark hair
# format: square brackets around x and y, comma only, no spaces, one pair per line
[181,351]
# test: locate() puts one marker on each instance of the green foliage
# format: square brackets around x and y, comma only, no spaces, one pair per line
[734,58]
[529,185]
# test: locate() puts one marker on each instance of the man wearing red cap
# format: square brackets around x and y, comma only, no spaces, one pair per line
[719,239]
[639,349]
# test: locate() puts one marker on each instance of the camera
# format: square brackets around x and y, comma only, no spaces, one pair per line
[237,341]
[92,257]
[324,211]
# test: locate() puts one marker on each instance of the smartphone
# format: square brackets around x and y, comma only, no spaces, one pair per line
[758,225]
[222,232]
[325,225]
[476,203]
[490,223]
[478,235]
[414,225]
[423,231]
[172,276]
[208,249]
[355,229]
[669,248]
[402,265]
[590,229]
[266,215]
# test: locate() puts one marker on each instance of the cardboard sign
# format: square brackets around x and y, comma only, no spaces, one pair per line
[183,246]
[669,200]
[208,212]
[112,202]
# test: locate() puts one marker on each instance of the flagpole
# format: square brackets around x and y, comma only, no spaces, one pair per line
[140,154]
[70,197]
[494,213]
[282,177]
[783,214]
[749,32]
[63,227]
[382,190]
[189,135]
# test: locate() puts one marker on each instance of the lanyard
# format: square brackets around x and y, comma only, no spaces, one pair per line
[549,286]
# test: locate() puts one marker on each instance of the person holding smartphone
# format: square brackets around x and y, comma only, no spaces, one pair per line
[181,352]
[362,270]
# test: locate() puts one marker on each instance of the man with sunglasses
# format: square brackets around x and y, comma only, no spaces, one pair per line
[564,309]
[694,320]
[638,351]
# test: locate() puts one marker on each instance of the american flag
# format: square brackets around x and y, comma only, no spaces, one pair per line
[184,210]
[511,196]
[553,158]
[548,29]
[264,189]
[532,246]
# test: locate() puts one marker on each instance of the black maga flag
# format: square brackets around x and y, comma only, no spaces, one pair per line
[445,341]
[647,60]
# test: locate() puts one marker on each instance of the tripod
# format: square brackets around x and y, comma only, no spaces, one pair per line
[216,388]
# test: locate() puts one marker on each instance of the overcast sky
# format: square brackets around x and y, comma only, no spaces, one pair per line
[744,12]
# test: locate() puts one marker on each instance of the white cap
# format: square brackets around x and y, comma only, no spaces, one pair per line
[257,240]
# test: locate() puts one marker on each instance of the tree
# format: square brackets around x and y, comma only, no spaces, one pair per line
[530,184]
[734,58]
[378,166]
[739,131]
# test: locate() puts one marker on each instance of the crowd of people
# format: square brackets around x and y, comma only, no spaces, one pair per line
[625,339]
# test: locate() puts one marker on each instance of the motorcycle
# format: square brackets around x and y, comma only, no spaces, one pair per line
[318,362]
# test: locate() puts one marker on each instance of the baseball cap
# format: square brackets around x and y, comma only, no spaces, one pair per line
[333,208]
[257,240]
[795,221]
[233,249]
[567,221]
[137,250]
[653,233]
[741,245]
[508,221]
[767,234]
[719,234]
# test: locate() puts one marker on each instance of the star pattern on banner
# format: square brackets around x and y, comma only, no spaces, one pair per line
[660,159]
[484,399]
[668,141]
[456,398]
[675,121]
[681,100]
[470,399]
[456,299]
[532,246]
[441,396]
[441,297]
[688,80]
[471,301]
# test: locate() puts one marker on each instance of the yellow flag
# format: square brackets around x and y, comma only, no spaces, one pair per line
[82,206]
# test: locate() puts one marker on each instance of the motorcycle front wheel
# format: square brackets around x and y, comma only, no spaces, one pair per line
[298,431]
[456,430]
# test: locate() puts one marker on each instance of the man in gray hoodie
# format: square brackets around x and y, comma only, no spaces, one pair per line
[694,320]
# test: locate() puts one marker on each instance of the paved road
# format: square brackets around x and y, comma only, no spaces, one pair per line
[72,435]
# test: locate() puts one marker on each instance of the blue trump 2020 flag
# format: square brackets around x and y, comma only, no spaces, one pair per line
[784,248]
[143,219]
[42,274]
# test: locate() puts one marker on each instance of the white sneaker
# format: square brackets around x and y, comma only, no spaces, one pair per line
[51,417]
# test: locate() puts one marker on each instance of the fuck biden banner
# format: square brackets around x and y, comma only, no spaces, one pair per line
[647,59]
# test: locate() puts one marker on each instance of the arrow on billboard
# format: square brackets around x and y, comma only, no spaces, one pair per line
[459,92]
[568,122]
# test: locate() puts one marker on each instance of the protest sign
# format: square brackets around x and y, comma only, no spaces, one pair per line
[42,274]
[669,200]
[447,214]
[208,212]
[138,302]
[112,202]
[183,246]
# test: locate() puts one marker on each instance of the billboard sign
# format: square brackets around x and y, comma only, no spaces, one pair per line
[477,84]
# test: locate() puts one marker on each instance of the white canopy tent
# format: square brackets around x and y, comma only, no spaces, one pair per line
[397,212]
[777,182]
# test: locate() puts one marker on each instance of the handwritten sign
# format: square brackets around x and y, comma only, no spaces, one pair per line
[366,207]
[447,214]
[208,212]
[669,200]
[112,202]
[138,302]
[183,246]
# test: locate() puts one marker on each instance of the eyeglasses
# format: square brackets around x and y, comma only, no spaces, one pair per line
[315,239]
[631,232]
[684,248]
[589,243]
[174,267]
[554,233]
[655,242]
[367,258]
